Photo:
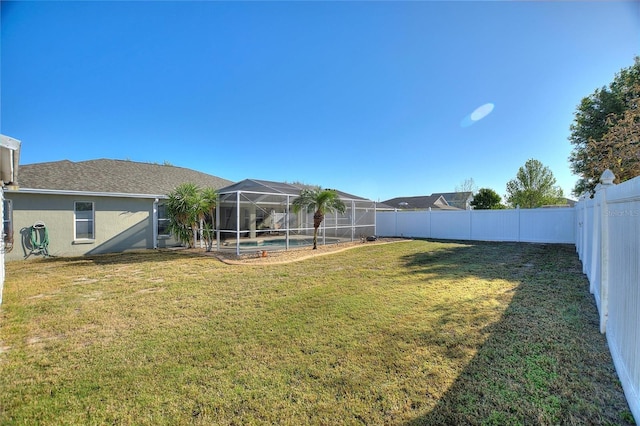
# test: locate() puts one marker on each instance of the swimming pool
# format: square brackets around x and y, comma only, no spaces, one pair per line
[282,242]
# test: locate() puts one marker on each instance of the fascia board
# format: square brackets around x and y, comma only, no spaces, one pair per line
[86,193]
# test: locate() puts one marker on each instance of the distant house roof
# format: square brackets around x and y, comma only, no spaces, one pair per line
[435,202]
[562,202]
[266,186]
[457,199]
[112,176]
[382,206]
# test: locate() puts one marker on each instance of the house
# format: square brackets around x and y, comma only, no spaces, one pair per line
[562,202]
[9,162]
[433,202]
[461,200]
[67,208]
[258,214]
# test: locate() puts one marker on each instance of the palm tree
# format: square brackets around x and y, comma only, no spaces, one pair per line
[207,201]
[187,207]
[319,201]
[182,212]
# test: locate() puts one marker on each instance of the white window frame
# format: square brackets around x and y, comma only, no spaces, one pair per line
[7,219]
[92,221]
[165,219]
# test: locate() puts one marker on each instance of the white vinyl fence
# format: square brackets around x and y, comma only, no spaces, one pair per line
[606,232]
[608,243]
[555,225]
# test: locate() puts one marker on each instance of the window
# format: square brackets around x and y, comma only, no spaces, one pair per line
[84,220]
[163,220]
[7,222]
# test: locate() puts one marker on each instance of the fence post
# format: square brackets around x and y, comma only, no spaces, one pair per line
[582,202]
[606,180]
[518,213]
[596,242]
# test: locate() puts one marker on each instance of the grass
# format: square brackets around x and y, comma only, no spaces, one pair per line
[410,333]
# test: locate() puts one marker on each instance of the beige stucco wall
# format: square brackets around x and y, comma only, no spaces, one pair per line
[120,224]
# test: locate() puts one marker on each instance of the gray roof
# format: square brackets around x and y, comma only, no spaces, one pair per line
[112,176]
[270,187]
[453,196]
[435,202]
[456,199]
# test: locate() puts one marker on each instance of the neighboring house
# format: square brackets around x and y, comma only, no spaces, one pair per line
[96,206]
[380,206]
[433,202]
[563,202]
[461,200]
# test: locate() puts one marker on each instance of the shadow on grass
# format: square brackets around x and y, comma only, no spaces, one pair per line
[544,361]
[125,258]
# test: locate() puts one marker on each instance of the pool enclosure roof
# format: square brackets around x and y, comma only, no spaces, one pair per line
[269,187]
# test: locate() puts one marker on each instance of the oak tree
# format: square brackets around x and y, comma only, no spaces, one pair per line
[604,131]
[533,186]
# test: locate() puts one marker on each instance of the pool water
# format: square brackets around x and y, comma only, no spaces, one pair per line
[281,242]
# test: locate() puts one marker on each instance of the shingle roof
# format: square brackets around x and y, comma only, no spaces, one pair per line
[112,176]
[456,199]
[435,202]
[255,185]
[453,195]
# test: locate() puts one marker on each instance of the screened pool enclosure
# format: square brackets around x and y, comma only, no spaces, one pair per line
[258,215]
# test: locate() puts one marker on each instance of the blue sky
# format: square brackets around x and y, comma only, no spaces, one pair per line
[366,97]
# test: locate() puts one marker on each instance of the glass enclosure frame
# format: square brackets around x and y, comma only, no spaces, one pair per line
[249,220]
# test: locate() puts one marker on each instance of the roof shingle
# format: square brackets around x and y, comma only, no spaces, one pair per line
[435,202]
[113,176]
[266,186]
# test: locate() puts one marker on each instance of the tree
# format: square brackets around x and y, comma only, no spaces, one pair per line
[461,193]
[533,186]
[619,149]
[319,201]
[598,114]
[487,199]
[187,207]
[206,212]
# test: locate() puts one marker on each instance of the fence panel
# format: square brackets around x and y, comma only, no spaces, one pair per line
[620,267]
[609,247]
[414,224]
[547,225]
[450,225]
[386,224]
[495,225]
[530,225]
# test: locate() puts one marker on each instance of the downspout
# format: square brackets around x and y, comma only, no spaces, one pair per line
[155,223]
[2,244]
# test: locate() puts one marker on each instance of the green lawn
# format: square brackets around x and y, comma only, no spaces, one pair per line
[408,333]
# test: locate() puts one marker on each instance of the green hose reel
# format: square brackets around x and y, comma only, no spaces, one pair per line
[39,239]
